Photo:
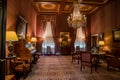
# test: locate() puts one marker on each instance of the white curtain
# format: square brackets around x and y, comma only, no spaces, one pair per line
[79,41]
[48,39]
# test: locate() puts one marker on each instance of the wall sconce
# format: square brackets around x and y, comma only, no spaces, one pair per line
[60,40]
[69,39]
[10,37]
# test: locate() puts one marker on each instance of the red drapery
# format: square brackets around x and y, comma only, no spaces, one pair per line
[41,26]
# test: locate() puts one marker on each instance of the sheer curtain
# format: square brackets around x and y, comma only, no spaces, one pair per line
[48,39]
[80,39]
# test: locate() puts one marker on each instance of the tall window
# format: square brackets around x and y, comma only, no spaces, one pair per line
[79,41]
[48,41]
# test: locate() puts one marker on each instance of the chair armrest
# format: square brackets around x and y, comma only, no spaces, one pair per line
[109,56]
[19,62]
[24,59]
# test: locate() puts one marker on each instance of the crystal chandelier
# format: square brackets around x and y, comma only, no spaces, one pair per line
[76,19]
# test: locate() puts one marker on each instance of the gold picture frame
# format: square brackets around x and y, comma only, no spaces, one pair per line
[116,35]
[64,36]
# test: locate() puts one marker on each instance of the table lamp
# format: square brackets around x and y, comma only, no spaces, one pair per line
[101,44]
[34,40]
[10,37]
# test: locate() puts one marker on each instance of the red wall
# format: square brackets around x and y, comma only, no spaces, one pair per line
[25,9]
[105,20]
[12,12]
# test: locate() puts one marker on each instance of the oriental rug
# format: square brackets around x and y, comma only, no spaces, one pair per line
[61,68]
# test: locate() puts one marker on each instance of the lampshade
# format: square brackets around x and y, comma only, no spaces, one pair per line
[106,48]
[11,36]
[33,39]
[101,43]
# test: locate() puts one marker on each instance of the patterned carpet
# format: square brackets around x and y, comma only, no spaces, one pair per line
[61,68]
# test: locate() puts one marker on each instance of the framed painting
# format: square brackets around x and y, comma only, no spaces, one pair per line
[64,36]
[116,35]
[21,27]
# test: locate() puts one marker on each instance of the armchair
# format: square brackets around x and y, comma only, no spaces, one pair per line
[10,77]
[86,60]
[76,56]
[22,53]
[113,62]
[23,59]
[113,59]
[21,68]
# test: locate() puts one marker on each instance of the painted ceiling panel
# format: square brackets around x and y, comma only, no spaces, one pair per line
[66,6]
[48,6]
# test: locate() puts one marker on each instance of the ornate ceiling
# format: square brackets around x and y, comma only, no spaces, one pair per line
[66,6]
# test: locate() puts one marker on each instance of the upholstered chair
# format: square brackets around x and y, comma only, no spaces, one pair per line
[76,56]
[113,62]
[86,60]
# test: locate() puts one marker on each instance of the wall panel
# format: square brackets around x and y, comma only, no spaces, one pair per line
[105,20]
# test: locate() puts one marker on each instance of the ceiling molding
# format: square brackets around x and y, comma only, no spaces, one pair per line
[96,2]
[66,6]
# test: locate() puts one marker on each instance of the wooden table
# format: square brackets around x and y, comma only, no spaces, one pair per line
[98,56]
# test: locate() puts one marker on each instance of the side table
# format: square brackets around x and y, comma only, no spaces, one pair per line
[9,61]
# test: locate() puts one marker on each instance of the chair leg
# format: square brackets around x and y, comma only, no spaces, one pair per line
[84,67]
[72,60]
[119,68]
[81,67]
[108,66]
[78,61]
[91,70]
[95,68]
[96,65]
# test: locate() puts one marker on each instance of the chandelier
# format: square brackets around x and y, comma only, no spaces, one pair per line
[76,19]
